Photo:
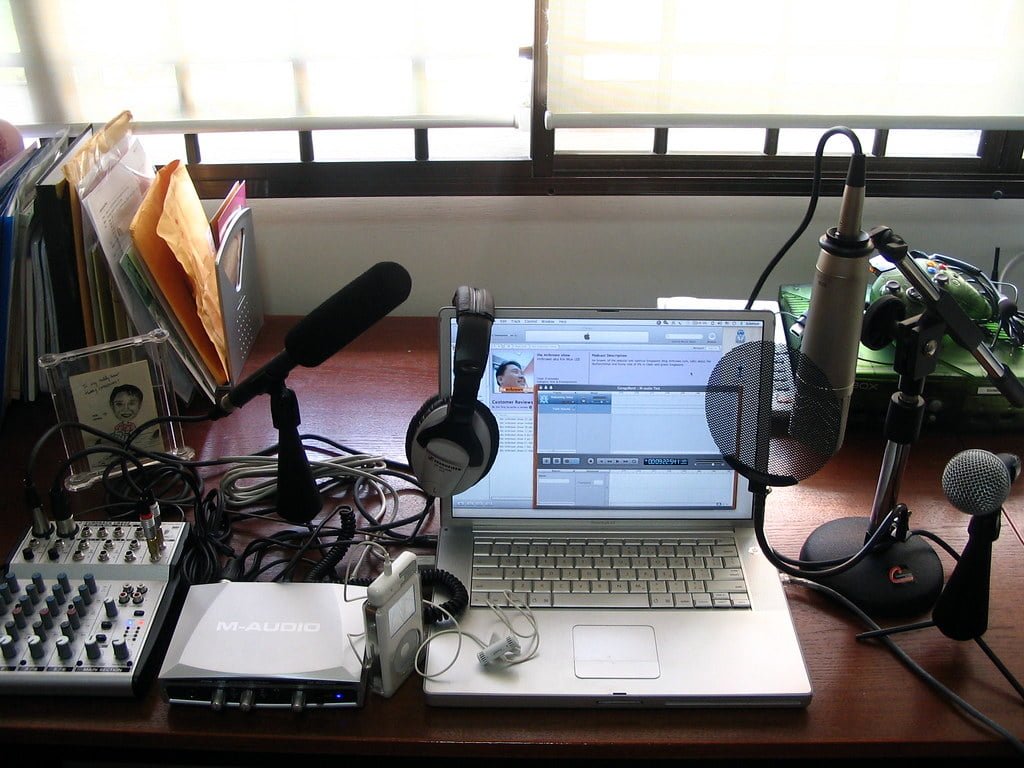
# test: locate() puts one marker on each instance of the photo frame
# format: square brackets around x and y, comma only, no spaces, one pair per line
[114,388]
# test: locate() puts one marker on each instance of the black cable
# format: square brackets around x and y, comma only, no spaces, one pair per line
[812,204]
[434,614]
[812,569]
[325,568]
[916,668]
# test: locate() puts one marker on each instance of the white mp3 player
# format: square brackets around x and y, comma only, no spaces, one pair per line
[394,624]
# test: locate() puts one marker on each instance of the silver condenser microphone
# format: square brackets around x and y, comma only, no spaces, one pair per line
[831,338]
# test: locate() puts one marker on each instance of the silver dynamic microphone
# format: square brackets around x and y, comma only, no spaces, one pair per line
[831,338]
[978,482]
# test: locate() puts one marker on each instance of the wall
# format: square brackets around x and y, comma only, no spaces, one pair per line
[610,251]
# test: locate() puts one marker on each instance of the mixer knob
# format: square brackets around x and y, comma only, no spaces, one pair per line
[247,700]
[67,630]
[19,616]
[11,629]
[40,585]
[46,617]
[25,603]
[59,595]
[90,582]
[51,604]
[110,606]
[121,651]
[64,648]
[32,592]
[65,582]
[85,594]
[218,699]
[5,594]
[12,583]
[39,629]
[73,617]
[92,648]
[36,648]
[7,646]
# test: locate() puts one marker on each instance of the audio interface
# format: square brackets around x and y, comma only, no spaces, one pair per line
[81,615]
[247,645]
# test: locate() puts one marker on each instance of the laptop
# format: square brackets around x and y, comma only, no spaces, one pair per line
[610,512]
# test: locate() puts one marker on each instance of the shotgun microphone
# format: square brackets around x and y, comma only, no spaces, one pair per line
[326,330]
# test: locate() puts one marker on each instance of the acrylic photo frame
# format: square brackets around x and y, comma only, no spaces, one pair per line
[114,388]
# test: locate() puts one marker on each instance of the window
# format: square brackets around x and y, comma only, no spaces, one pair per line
[458,97]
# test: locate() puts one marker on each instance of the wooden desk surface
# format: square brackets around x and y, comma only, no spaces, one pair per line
[866,704]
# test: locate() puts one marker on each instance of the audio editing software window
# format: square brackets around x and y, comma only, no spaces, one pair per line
[600,415]
[626,446]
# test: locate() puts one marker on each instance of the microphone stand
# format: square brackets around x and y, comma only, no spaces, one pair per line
[961,612]
[902,575]
[298,498]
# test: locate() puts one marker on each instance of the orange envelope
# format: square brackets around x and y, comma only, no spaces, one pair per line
[172,236]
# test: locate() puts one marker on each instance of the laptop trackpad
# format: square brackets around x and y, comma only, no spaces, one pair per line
[615,651]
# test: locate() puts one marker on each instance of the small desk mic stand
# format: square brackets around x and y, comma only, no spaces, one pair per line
[961,612]
[298,498]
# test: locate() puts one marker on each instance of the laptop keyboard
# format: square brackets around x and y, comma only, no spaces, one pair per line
[570,572]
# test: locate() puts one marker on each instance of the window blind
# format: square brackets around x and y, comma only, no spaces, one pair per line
[301,63]
[787,63]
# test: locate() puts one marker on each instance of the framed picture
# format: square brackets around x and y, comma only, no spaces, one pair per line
[115,389]
[117,401]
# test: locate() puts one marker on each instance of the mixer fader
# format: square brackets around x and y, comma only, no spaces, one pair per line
[81,615]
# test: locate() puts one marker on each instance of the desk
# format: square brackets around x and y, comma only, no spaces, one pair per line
[865,703]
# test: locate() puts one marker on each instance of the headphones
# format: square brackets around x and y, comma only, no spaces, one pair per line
[452,442]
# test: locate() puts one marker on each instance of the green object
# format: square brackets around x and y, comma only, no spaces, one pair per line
[958,394]
[892,282]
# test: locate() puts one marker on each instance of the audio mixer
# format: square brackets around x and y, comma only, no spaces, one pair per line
[81,615]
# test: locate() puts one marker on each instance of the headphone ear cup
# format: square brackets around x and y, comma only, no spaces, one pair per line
[442,465]
[417,420]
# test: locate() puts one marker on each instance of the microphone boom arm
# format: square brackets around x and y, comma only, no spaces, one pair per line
[959,326]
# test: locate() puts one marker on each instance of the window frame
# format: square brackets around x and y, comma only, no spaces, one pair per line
[996,172]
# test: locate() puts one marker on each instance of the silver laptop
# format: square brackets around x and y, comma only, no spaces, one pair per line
[610,512]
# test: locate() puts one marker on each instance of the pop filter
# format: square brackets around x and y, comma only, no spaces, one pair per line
[739,405]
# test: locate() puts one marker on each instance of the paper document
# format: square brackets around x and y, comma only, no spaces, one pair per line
[172,236]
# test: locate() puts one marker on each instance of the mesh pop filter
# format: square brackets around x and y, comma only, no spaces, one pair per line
[739,410]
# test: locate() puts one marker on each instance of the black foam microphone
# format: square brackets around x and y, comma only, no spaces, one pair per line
[831,338]
[326,330]
[976,482]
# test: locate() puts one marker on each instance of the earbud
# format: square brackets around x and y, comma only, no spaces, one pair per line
[502,649]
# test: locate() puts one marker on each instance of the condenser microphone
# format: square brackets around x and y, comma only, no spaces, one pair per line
[326,330]
[831,337]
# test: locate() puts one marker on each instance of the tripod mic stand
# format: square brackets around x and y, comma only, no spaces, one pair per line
[961,612]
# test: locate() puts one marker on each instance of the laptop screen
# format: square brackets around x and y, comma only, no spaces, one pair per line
[601,414]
